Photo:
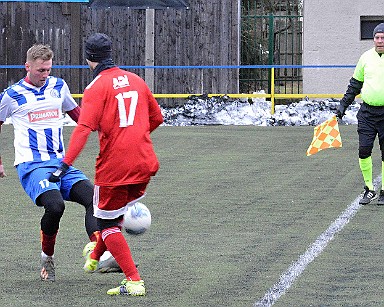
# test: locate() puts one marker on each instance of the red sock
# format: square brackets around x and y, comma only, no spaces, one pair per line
[93,236]
[100,247]
[118,246]
[48,243]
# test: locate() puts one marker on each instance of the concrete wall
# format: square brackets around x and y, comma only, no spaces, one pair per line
[331,36]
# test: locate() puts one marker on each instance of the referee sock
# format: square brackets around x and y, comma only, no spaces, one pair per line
[366,170]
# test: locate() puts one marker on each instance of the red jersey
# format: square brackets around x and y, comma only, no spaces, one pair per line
[119,105]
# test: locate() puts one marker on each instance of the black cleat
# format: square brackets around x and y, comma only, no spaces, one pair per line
[380,201]
[369,195]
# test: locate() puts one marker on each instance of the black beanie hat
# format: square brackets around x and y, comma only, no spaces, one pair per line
[98,47]
[378,29]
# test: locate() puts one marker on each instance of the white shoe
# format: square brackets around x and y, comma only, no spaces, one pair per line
[108,264]
[47,272]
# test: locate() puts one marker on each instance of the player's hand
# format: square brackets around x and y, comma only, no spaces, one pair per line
[56,175]
[2,173]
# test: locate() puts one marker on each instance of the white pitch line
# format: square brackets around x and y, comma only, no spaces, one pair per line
[294,271]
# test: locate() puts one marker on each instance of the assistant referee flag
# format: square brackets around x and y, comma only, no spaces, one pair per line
[326,135]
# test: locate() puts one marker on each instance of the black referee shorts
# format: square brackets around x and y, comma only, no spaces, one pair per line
[370,122]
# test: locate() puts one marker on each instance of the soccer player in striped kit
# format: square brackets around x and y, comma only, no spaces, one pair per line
[35,105]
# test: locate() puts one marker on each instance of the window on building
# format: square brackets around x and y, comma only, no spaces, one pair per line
[367,24]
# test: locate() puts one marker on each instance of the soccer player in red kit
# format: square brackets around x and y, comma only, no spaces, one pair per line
[119,105]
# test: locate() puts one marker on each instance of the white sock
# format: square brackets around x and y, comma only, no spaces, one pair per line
[44,255]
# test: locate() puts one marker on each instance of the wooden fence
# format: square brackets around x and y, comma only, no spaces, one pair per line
[207,33]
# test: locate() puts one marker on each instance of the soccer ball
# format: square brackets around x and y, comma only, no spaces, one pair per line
[137,219]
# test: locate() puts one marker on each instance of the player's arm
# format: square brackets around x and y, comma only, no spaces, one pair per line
[2,172]
[155,116]
[69,104]
[74,114]
[354,89]
[77,142]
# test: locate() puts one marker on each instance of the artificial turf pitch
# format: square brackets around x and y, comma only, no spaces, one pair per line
[232,208]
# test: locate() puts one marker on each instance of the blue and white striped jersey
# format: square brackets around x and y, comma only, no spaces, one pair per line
[37,118]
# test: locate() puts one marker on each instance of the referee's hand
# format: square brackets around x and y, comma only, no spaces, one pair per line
[340,112]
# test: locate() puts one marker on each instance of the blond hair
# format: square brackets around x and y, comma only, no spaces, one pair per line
[39,51]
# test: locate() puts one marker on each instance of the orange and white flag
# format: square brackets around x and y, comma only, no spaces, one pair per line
[326,135]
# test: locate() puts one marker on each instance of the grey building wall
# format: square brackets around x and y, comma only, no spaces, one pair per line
[331,36]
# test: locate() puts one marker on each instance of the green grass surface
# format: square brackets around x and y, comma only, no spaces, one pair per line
[232,208]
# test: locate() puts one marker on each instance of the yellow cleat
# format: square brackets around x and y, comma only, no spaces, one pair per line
[88,248]
[90,265]
[129,287]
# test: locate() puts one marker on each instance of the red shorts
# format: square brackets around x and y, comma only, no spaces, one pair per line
[112,202]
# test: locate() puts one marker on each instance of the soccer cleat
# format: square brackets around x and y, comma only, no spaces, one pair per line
[90,265]
[368,196]
[88,248]
[129,287]
[47,272]
[108,264]
[380,201]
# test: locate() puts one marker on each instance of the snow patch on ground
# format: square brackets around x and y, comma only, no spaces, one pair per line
[222,111]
